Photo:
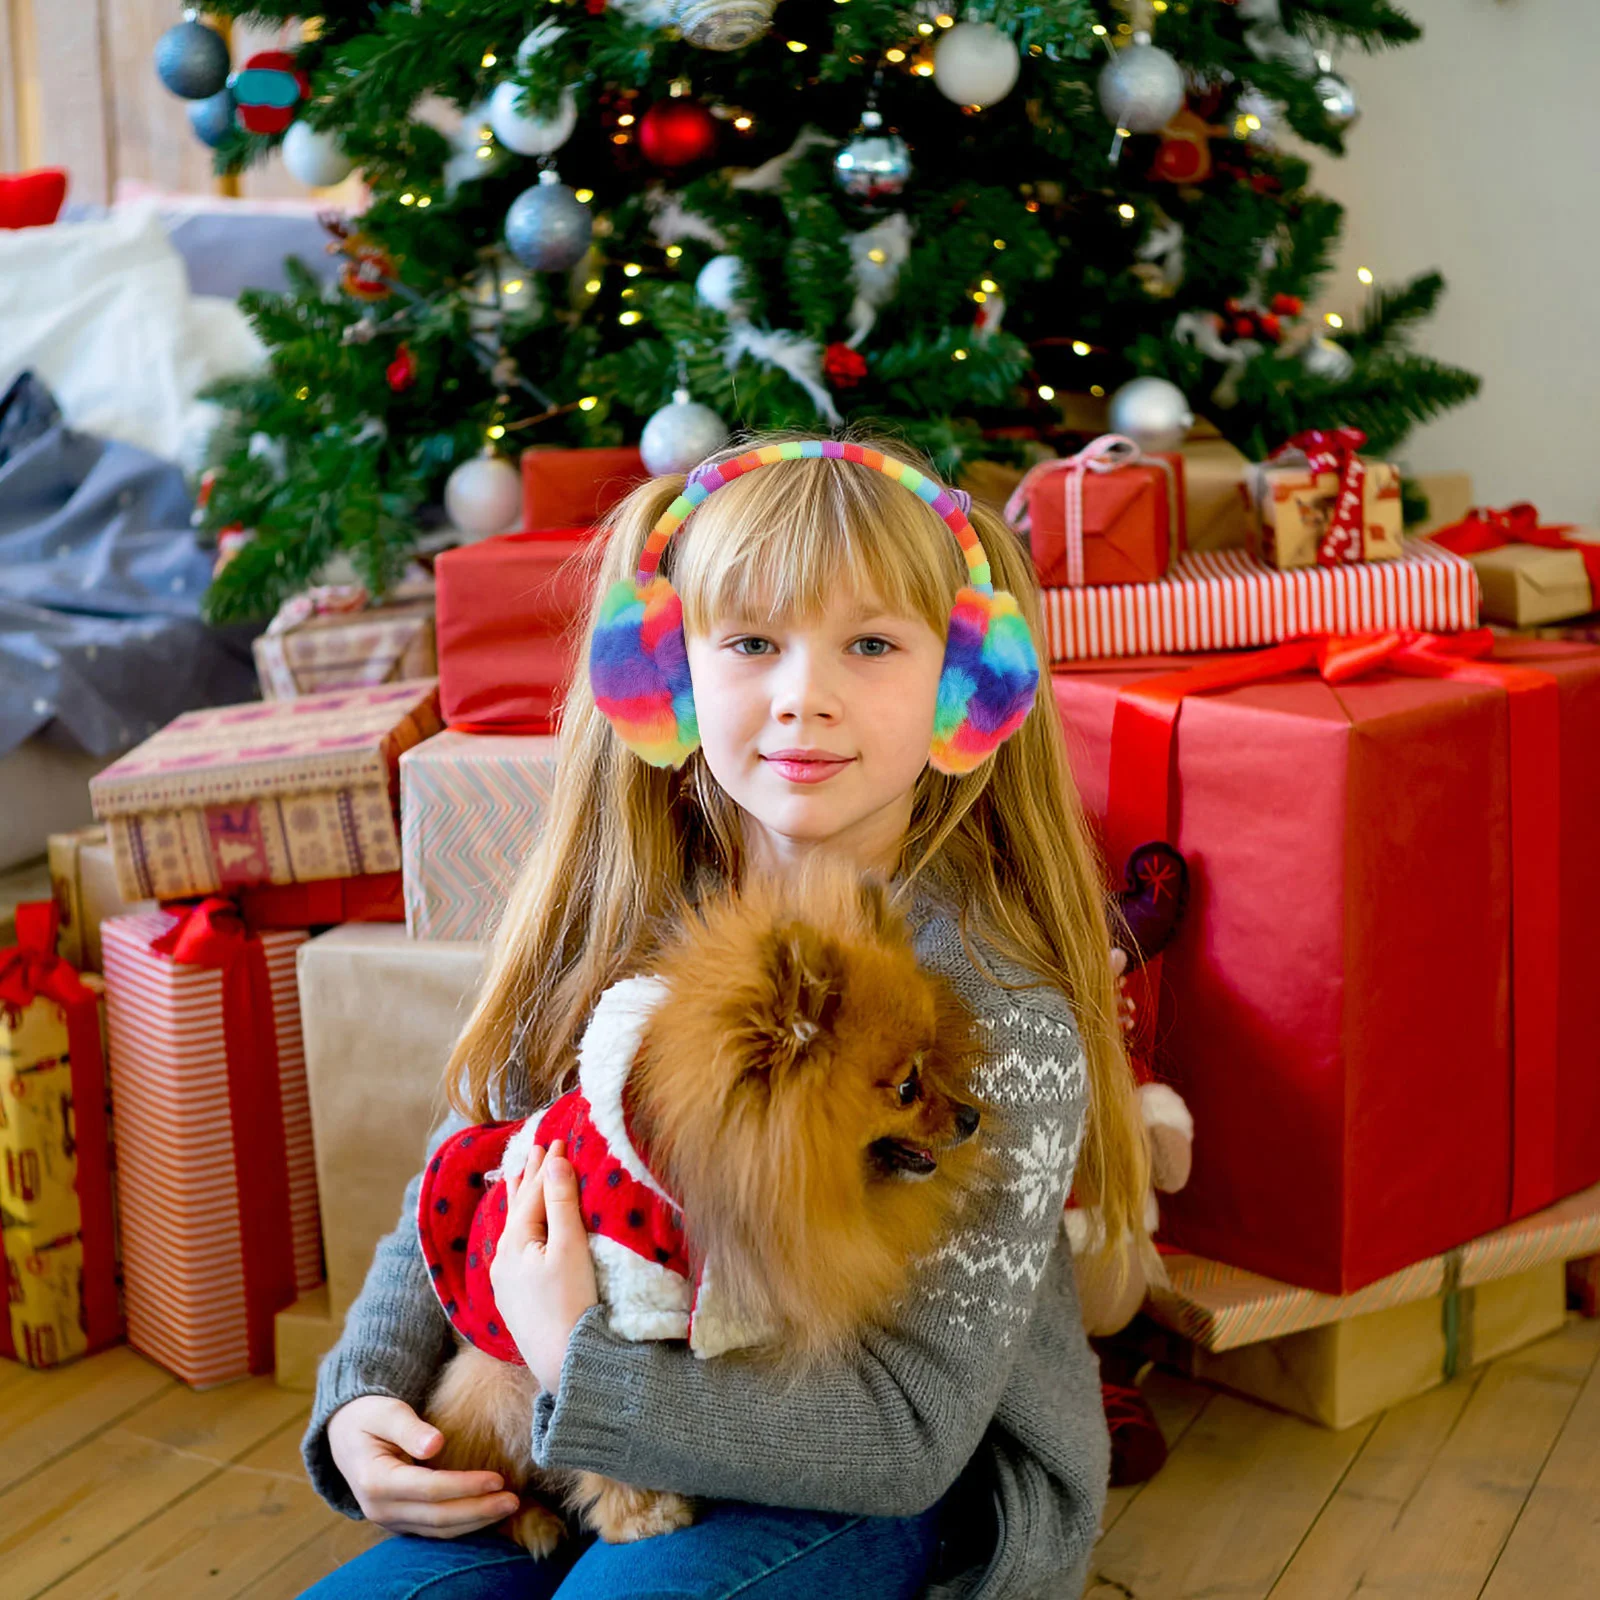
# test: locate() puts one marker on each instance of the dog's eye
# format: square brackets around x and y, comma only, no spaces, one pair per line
[908,1090]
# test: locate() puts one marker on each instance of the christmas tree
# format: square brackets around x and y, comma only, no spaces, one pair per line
[596,219]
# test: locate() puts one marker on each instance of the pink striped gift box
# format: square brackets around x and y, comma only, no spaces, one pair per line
[1226,599]
[471,807]
[186,1276]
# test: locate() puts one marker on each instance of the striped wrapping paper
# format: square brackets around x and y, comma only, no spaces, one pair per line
[1221,1308]
[1226,599]
[183,1268]
[471,807]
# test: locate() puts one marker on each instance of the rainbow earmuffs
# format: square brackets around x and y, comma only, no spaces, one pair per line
[639,668]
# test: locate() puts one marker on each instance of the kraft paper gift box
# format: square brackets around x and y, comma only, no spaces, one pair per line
[58,1268]
[334,638]
[511,614]
[1217,510]
[1525,585]
[1382,1008]
[83,879]
[1295,509]
[216,1172]
[282,791]
[471,807]
[381,1012]
[575,488]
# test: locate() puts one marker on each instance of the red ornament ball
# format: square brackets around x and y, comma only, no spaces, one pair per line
[677,133]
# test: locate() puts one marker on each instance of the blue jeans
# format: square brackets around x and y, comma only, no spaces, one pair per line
[756,1552]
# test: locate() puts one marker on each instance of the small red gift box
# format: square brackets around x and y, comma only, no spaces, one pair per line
[1109,514]
[1382,1011]
[575,488]
[371,897]
[510,614]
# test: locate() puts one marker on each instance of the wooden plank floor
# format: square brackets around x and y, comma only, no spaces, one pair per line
[117,1482]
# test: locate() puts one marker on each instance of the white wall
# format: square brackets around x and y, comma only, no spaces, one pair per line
[1478,152]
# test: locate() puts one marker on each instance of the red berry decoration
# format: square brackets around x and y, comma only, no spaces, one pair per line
[1243,327]
[402,371]
[1288,305]
[844,367]
[677,133]
[1270,325]
[268,90]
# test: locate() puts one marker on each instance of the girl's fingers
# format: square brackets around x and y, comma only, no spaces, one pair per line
[450,1518]
[397,1480]
[521,1199]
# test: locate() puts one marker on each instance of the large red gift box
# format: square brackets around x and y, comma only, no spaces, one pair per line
[575,488]
[1382,1010]
[1109,514]
[511,612]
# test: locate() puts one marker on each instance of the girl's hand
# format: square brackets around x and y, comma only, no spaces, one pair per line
[376,1442]
[542,1275]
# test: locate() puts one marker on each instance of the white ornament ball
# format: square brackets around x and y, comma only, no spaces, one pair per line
[315,158]
[681,435]
[975,64]
[720,283]
[1142,89]
[722,24]
[1338,101]
[483,496]
[1151,412]
[1329,360]
[530,135]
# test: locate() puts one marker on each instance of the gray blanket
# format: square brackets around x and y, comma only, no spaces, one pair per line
[100,585]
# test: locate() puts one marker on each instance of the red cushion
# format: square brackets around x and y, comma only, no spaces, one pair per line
[32,199]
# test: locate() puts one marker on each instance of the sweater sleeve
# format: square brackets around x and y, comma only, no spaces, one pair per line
[886,1431]
[395,1339]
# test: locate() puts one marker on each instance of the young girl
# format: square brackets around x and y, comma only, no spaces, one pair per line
[961,1451]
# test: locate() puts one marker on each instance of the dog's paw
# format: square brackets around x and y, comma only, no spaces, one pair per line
[622,1515]
[537,1529]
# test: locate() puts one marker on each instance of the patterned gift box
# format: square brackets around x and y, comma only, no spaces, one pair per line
[332,638]
[216,1172]
[286,791]
[471,806]
[1226,599]
[57,1222]
[1223,1308]
[83,879]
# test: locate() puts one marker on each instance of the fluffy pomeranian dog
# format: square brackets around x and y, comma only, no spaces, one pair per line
[768,1132]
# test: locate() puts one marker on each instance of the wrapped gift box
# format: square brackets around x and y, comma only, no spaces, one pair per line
[575,488]
[58,1272]
[1377,1079]
[1226,599]
[216,1172]
[373,897]
[381,1013]
[511,615]
[1216,499]
[285,791]
[471,807]
[332,638]
[1295,510]
[1345,1372]
[1108,515]
[1525,585]
[83,879]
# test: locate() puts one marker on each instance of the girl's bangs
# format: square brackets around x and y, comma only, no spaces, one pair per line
[785,541]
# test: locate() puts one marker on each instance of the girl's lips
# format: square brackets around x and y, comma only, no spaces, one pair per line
[806,771]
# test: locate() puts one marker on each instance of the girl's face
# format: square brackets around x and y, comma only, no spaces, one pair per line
[857,687]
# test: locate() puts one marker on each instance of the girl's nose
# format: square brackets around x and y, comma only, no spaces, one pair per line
[805,688]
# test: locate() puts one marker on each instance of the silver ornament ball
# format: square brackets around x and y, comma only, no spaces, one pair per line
[211,119]
[1142,89]
[722,24]
[873,165]
[1329,360]
[483,497]
[548,228]
[530,135]
[681,435]
[975,64]
[192,60]
[1338,101]
[1151,412]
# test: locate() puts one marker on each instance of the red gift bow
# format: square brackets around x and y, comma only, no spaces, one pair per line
[1142,791]
[1482,529]
[1334,450]
[31,970]
[211,933]
[1109,453]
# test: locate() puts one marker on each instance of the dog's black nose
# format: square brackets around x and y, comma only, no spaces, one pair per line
[966,1120]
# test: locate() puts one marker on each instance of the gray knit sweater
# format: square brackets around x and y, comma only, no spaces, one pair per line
[986,1377]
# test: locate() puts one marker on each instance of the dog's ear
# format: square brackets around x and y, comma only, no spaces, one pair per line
[806,974]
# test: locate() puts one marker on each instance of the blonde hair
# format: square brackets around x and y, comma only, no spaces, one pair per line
[626,848]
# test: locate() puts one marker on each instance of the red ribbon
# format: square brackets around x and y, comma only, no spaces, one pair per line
[211,933]
[1482,529]
[1143,786]
[1334,450]
[31,970]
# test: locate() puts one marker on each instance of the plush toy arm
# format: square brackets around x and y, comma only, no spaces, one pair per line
[1170,1126]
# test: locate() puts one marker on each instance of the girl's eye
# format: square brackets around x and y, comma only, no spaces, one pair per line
[908,1090]
[876,654]
[887,646]
[735,647]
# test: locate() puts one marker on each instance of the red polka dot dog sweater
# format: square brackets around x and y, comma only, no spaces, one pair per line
[636,1238]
